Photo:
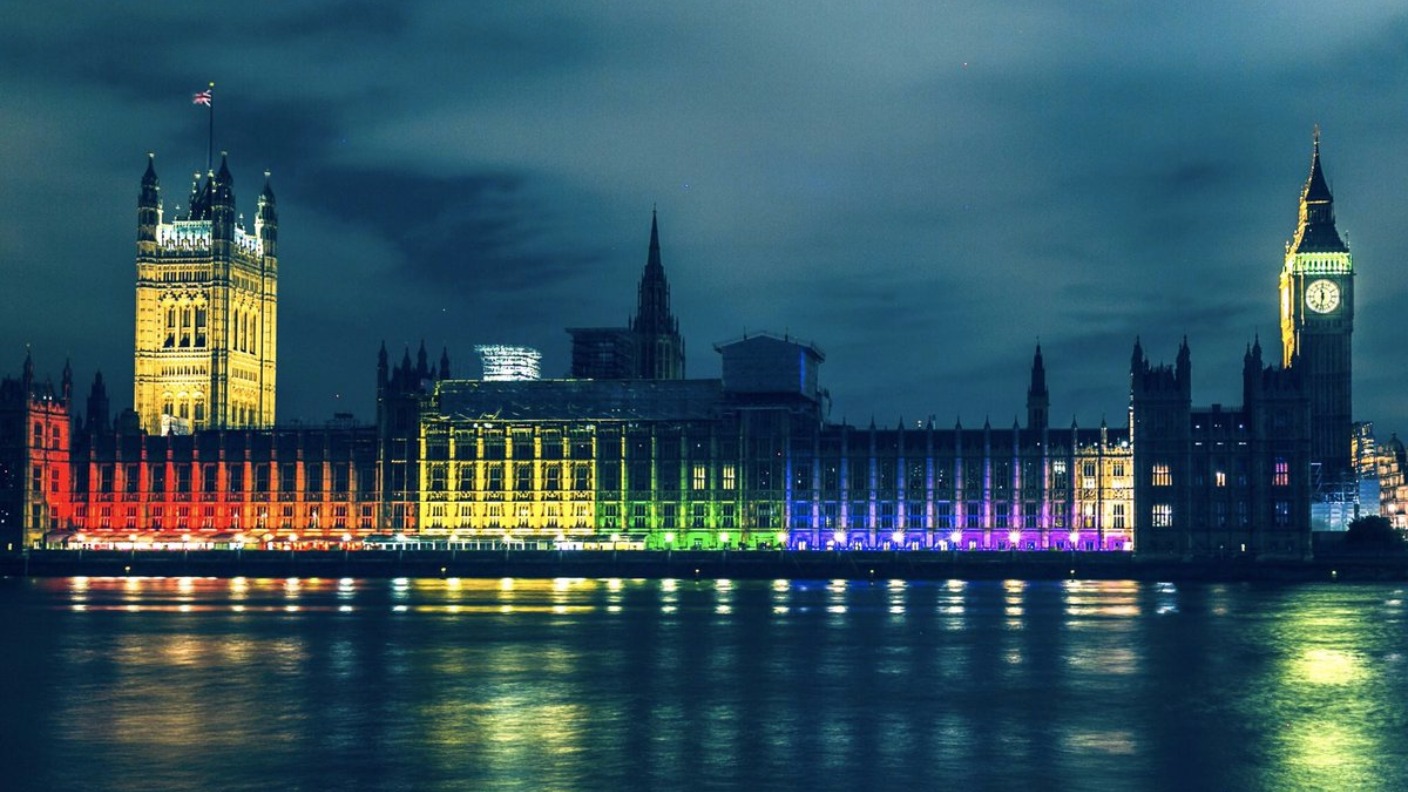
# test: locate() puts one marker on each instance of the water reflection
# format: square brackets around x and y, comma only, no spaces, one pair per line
[621,684]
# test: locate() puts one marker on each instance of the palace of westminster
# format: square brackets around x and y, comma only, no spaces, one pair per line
[628,450]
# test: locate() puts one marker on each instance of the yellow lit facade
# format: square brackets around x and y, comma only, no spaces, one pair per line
[207,311]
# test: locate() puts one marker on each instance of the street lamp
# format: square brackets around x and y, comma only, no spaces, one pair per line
[1012,538]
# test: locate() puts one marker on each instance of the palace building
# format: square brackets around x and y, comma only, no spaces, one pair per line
[628,452]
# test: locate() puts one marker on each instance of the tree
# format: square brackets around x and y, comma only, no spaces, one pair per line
[1373,531]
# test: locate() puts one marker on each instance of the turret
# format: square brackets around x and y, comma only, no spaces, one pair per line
[66,383]
[1251,371]
[222,203]
[422,364]
[97,414]
[266,219]
[149,204]
[1183,370]
[383,373]
[199,205]
[444,372]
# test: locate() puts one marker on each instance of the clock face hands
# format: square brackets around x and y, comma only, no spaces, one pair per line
[1322,296]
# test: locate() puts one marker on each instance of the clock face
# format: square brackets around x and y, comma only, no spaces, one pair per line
[1322,296]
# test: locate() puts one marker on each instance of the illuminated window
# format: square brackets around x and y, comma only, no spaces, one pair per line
[1219,478]
[1281,473]
[1163,515]
[1163,477]
[699,479]
[730,476]
[1117,515]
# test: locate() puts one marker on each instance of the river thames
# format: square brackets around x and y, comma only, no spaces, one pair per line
[570,684]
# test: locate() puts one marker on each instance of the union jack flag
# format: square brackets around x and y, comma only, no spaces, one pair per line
[202,98]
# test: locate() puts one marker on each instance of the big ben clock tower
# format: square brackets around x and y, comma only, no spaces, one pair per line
[1317,319]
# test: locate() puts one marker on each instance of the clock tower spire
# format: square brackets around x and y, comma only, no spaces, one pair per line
[1317,320]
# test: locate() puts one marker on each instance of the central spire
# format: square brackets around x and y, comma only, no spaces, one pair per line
[659,350]
[653,303]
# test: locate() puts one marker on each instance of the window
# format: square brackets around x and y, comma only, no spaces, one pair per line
[1283,513]
[1163,515]
[1163,477]
[1281,473]
[943,512]
[1117,514]
[1219,478]
[699,478]
[730,476]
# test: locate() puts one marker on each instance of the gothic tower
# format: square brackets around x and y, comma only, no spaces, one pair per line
[659,347]
[1317,319]
[207,299]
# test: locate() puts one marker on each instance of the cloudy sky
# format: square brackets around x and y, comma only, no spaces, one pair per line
[924,189]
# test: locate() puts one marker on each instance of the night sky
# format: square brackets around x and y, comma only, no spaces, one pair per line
[924,190]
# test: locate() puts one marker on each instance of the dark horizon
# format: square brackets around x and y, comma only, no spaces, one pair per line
[925,197]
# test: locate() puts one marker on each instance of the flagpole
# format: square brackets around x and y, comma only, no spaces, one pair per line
[210,144]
